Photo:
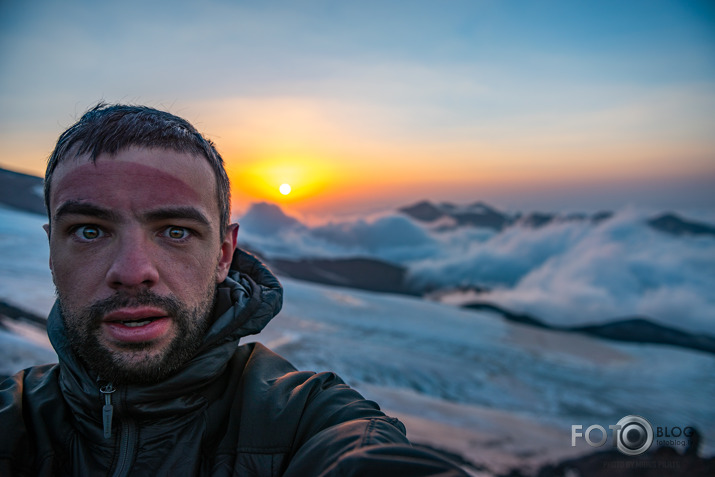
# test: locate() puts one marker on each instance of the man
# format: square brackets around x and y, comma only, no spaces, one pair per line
[152,299]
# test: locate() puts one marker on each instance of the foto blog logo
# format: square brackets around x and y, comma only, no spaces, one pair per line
[633,435]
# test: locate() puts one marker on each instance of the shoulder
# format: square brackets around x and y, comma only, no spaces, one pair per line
[326,427]
[28,405]
[301,403]
[268,375]
[317,424]
[268,371]
[28,388]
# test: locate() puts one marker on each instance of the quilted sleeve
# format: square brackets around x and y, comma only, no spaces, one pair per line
[326,427]
[366,447]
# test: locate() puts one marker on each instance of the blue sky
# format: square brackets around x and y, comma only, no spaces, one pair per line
[550,104]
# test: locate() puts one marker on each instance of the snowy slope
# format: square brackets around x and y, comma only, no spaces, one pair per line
[24,256]
[479,360]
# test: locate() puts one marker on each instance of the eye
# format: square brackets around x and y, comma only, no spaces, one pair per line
[176,233]
[88,232]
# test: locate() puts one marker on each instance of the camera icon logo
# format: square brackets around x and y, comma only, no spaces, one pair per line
[634,435]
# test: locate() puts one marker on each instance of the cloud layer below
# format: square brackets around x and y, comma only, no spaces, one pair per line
[565,273]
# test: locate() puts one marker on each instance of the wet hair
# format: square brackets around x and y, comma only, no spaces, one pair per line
[111,128]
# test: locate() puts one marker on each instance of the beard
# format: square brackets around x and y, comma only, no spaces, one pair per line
[137,363]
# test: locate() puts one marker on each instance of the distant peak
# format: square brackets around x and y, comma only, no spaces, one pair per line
[482,207]
[672,223]
[424,211]
[266,217]
[265,207]
[477,214]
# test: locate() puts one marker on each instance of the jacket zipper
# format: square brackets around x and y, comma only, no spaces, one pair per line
[127,446]
[107,409]
[127,437]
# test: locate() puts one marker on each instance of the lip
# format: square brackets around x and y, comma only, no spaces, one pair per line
[135,314]
[156,330]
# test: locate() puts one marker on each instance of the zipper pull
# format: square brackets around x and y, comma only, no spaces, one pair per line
[107,409]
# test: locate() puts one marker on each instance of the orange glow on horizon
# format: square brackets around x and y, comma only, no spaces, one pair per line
[282,181]
[333,161]
[384,179]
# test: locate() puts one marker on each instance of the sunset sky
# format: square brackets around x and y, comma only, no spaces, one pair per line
[361,106]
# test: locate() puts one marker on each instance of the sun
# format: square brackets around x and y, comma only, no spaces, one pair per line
[285,189]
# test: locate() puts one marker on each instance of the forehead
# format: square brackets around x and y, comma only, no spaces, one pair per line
[136,178]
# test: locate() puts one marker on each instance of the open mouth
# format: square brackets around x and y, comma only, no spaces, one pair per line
[134,324]
[137,324]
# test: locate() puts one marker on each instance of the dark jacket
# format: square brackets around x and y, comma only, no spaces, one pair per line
[232,410]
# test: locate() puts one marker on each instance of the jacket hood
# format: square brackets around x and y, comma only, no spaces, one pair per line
[246,301]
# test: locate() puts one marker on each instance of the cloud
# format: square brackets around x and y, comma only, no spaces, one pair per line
[502,260]
[567,273]
[390,237]
[621,268]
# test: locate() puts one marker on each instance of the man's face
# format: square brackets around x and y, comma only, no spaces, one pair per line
[136,253]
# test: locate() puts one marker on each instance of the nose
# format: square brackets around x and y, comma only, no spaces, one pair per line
[133,266]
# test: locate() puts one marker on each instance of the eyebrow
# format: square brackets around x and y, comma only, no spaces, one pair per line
[74,207]
[179,212]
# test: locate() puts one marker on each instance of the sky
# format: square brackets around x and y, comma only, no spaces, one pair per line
[363,106]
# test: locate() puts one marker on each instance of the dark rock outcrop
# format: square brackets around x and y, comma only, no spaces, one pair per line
[632,330]
[360,273]
[21,191]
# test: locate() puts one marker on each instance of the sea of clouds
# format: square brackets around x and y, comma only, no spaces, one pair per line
[565,273]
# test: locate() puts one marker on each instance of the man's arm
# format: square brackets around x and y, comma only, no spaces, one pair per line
[332,429]
[367,447]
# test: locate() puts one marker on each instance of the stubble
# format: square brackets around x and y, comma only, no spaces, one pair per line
[140,363]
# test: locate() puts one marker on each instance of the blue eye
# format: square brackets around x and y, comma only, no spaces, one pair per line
[176,233]
[88,232]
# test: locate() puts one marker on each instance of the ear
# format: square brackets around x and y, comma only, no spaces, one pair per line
[228,246]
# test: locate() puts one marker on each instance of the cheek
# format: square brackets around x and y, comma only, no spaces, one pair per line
[61,265]
[189,274]
[77,276]
[71,281]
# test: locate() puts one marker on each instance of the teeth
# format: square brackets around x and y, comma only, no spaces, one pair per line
[133,324]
